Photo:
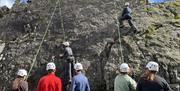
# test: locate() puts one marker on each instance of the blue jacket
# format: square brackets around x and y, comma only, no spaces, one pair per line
[79,83]
[126,11]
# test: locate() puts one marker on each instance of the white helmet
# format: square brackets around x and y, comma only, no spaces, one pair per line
[66,43]
[127,4]
[124,67]
[152,66]
[78,66]
[50,65]
[22,72]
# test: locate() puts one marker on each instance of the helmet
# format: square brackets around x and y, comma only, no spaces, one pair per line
[152,66]
[124,67]
[127,4]
[66,43]
[22,72]
[78,66]
[50,65]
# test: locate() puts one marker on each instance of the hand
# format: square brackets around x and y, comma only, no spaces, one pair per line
[53,58]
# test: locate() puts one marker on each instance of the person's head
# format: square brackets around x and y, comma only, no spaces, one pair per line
[22,73]
[66,43]
[78,67]
[124,68]
[126,4]
[151,69]
[51,67]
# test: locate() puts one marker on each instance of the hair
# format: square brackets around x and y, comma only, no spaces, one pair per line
[153,72]
[51,70]
[78,70]
[149,76]
[17,82]
[124,73]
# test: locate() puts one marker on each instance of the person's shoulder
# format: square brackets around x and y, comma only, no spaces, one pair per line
[85,77]
[118,76]
[127,76]
[158,78]
[142,79]
[76,76]
[43,78]
[57,78]
[68,47]
[79,76]
[24,82]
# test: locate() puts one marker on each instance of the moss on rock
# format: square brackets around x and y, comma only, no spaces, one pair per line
[177,16]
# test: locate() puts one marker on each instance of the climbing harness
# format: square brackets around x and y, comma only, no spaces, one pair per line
[46,32]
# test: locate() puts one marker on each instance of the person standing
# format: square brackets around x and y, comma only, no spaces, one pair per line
[50,82]
[149,81]
[79,81]
[19,83]
[123,82]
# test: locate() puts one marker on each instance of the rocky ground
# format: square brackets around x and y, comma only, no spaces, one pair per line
[91,27]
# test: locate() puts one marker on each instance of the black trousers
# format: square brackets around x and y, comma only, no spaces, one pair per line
[71,63]
[125,17]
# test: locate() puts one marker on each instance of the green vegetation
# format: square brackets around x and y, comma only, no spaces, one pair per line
[177,16]
[151,30]
[148,9]
[177,3]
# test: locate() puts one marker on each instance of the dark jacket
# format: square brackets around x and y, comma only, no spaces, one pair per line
[158,84]
[68,54]
[126,11]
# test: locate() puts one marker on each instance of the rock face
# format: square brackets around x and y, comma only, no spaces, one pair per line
[90,26]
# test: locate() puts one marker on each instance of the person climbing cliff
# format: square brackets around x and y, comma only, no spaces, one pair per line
[69,57]
[149,81]
[19,83]
[126,15]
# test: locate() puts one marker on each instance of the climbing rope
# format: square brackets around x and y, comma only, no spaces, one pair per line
[46,32]
[62,24]
[119,33]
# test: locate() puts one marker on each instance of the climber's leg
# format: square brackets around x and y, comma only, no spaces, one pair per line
[121,19]
[132,25]
[70,70]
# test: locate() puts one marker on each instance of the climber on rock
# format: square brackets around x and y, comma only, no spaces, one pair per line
[149,81]
[126,15]
[123,82]
[19,84]
[69,57]
[50,82]
[79,81]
